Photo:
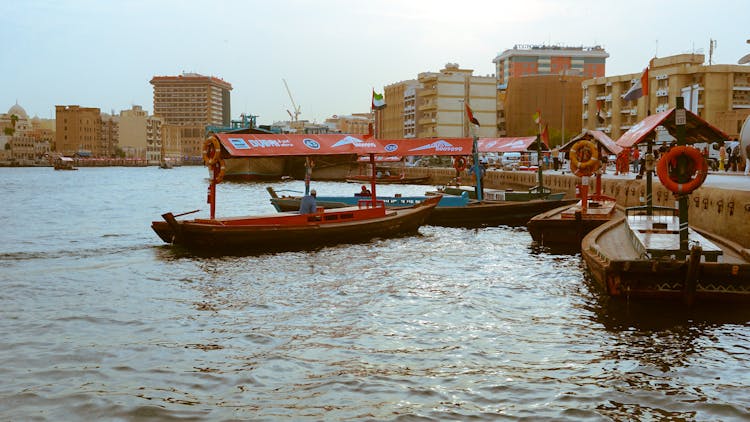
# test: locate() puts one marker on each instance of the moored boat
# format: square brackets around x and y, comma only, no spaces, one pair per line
[653,252]
[64,163]
[291,230]
[565,227]
[638,256]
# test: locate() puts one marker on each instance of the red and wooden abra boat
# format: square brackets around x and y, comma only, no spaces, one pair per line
[291,230]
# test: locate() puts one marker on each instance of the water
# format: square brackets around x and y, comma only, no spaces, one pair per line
[101,321]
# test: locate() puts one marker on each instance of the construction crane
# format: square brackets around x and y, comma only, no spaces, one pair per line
[294,117]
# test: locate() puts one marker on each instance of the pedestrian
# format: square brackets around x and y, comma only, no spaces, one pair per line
[722,157]
[747,158]
[736,156]
[556,158]
[636,159]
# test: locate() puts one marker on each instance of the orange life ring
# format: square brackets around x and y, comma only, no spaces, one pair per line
[668,165]
[211,151]
[584,158]
[459,163]
[218,169]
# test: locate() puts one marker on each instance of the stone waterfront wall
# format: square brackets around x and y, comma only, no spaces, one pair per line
[724,212]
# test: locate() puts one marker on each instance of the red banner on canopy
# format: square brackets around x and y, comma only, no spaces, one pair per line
[264,145]
[507,144]
[427,146]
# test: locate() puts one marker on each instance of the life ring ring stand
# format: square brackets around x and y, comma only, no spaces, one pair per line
[584,158]
[218,169]
[459,163]
[668,163]
[211,151]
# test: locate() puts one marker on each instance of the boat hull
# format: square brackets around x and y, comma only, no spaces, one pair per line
[261,168]
[292,231]
[565,227]
[492,213]
[623,272]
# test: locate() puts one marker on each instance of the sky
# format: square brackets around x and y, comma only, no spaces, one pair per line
[332,53]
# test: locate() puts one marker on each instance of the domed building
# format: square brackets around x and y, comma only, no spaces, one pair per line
[19,123]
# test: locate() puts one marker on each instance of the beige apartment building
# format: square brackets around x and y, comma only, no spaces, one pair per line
[718,93]
[133,137]
[110,135]
[357,123]
[399,118]
[192,102]
[78,130]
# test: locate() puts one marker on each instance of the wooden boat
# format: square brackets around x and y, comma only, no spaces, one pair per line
[565,227]
[638,256]
[498,194]
[291,230]
[492,213]
[397,179]
[292,202]
[64,163]
[652,252]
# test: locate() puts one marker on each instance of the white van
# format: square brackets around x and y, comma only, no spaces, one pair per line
[510,160]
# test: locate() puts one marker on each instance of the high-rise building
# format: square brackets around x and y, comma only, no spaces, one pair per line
[78,130]
[720,94]
[192,101]
[133,137]
[549,59]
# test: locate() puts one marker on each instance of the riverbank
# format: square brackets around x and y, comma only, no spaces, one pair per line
[720,206]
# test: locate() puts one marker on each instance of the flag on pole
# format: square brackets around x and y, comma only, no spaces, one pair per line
[378,101]
[545,136]
[537,117]
[639,88]
[469,113]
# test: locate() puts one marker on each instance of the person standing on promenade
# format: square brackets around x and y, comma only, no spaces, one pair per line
[722,156]
[556,158]
[636,159]
[735,160]
[747,159]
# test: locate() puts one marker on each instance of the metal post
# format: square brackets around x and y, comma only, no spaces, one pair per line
[682,202]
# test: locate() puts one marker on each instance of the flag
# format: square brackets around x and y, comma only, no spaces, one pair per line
[545,136]
[600,114]
[471,115]
[537,117]
[378,102]
[639,88]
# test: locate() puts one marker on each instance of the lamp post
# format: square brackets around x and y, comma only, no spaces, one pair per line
[562,134]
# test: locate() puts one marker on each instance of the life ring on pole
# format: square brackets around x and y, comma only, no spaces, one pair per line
[668,169]
[459,163]
[584,159]
[211,151]
[218,169]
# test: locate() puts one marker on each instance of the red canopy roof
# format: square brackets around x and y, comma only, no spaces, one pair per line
[264,145]
[696,129]
[597,136]
[508,144]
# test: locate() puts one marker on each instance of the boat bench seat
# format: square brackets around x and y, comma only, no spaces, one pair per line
[661,243]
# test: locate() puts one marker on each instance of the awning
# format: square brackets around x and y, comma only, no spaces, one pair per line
[380,158]
[269,145]
[696,129]
[427,146]
[596,136]
[523,144]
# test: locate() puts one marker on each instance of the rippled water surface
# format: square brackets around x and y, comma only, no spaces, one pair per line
[100,320]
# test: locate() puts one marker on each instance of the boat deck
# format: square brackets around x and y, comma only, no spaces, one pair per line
[659,236]
[596,210]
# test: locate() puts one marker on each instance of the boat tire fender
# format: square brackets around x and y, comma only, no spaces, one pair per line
[211,151]
[459,163]
[218,169]
[698,169]
[584,158]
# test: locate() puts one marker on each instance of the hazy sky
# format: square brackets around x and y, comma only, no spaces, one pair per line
[331,53]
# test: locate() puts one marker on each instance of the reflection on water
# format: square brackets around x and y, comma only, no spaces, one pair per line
[100,320]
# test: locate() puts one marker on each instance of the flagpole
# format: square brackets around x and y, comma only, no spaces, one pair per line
[477,170]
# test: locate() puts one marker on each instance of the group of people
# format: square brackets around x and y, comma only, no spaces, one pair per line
[730,158]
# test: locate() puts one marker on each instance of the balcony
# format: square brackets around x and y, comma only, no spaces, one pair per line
[428,106]
[662,92]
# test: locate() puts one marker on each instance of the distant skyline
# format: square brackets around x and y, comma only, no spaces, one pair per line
[331,53]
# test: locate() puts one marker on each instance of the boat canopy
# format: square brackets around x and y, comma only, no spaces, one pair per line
[267,145]
[522,144]
[597,136]
[696,129]
[380,158]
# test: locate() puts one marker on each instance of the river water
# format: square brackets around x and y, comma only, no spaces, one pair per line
[102,321]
